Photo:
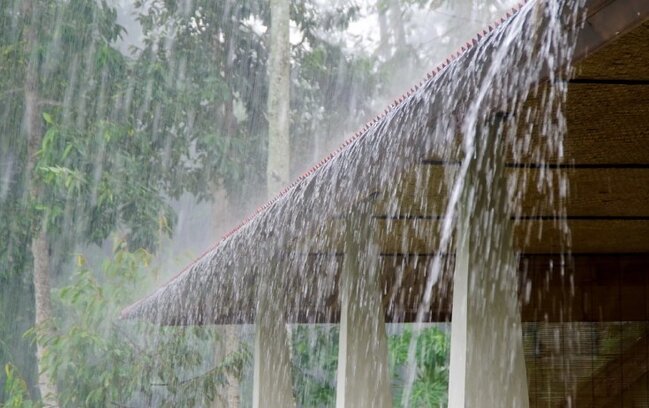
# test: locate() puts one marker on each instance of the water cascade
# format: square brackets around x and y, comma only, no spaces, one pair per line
[431,204]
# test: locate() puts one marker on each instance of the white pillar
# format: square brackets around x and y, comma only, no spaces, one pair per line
[487,367]
[273,375]
[363,378]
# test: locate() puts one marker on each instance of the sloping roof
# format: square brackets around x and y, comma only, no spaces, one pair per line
[402,162]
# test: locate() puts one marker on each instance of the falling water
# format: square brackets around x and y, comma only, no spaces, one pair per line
[443,120]
[397,190]
[523,56]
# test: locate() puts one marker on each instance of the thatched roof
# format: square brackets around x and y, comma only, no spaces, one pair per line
[402,163]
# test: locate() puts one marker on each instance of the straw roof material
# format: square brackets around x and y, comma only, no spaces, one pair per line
[606,159]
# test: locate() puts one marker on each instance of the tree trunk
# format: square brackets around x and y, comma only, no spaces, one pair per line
[272,378]
[232,346]
[277,169]
[398,26]
[40,244]
[383,50]
[228,394]
[40,254]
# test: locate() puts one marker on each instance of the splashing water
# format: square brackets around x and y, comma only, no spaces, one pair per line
[503,77]
[445,120]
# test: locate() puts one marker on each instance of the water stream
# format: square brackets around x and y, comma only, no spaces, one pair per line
[516,74]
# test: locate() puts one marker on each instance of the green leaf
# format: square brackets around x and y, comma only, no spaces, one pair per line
[48,118]
[67,150]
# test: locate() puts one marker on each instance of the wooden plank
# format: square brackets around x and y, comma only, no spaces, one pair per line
[591,191]
[588,236]
[421,236]
[606,124]
[421,191]
[589,288]
[624,58]
[606,121]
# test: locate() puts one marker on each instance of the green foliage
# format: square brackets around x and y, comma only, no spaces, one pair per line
[207,75]
[315,358]
[96,169]
[430,388]
[16,316]
[99,360]
[15,390]
[99,183]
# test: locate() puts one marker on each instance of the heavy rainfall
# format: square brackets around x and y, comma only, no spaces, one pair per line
[201,208]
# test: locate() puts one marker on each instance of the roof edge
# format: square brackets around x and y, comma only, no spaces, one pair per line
[347,143]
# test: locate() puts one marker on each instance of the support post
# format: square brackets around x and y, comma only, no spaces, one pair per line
[273,375]
[487,367]
[363,378]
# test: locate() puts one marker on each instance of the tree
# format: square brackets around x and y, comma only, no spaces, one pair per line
[27,40]
[77,172]
[209,68]
[430,388]
[15,389]
[215,57]
[315,360]
[225,91]
[278,167]
[101,361]
[39,243]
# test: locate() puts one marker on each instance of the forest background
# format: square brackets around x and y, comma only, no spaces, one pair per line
[134,134]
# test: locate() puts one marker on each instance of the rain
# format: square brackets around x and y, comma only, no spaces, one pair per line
[309,203]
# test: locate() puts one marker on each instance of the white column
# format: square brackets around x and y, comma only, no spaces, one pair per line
[363,379]
[487,367]
[273,375]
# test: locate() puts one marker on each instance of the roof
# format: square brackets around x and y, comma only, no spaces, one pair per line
[403,163]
